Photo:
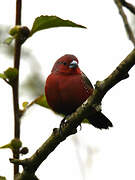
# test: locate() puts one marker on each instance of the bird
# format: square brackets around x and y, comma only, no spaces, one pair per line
[67,87]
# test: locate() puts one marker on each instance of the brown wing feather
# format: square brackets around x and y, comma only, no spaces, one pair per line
[87,81]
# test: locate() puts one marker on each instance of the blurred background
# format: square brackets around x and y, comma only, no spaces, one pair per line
[91,153]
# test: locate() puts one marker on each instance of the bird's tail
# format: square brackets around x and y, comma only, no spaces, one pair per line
[99,120]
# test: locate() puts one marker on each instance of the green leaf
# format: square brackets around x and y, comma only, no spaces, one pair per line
[9,40]
[14,31]
[3,76]
[45,22]
[25,104]
[6,146]
[41,100]
[11,73]
[2,178]
[14,144]
[21,33]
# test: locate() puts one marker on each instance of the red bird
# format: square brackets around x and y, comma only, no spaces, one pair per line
[67,87]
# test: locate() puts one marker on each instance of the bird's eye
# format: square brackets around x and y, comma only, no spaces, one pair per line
[65,63]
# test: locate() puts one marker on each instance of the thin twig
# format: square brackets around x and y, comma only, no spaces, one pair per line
[31,164]
[7,81]
[129,6]
[15,86]
[125,21]
[18,12]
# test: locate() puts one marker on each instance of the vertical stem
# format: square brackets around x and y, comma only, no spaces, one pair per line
[15,86]
[18,12]
[16,91]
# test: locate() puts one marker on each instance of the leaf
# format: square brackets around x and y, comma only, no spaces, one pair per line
[21,33]
[14,144]
[45,22]
[6,146]
[9,40]
[25,104]
[14,31]
[2,178]
[3,76]
[41,100]
[11,73]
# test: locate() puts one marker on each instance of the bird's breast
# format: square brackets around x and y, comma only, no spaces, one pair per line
[65,93]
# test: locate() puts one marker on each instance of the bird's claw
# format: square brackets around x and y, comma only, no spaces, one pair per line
[62,125]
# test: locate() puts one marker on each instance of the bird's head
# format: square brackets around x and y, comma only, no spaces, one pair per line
[67,64]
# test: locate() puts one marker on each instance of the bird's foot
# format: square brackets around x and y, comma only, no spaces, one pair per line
[62,124]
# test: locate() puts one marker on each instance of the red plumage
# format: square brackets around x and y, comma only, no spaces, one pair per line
[67,88]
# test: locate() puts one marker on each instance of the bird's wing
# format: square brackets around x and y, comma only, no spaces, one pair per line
[87,81]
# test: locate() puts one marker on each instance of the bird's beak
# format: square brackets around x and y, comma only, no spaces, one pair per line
[73,64]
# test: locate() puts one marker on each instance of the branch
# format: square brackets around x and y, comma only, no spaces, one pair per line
[125,21]
[17,112]
[31,164]
[129,6]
